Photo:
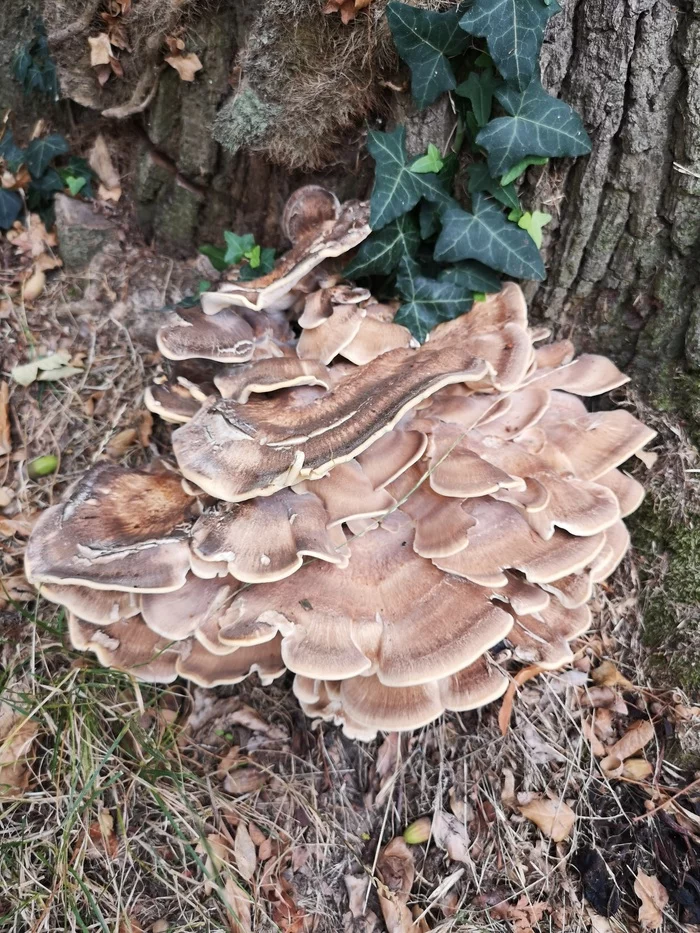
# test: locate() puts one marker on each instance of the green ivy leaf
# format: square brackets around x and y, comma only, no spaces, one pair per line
[40,153]
[382,251]
[237,246]
[41,191]
[10,152]
[480,180]
[428,219]
[427,301]
[513,30]
[514,173]
[267,261]
[397,189]
[487,236]
[478,89]
[10,207]
[533,223]
[253,257]
[472,275]
[539,125]
[431,162]
[75,184]
[216,256]
[425,40]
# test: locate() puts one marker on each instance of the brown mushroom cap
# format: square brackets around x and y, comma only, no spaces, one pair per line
[175,616]
[363,705]
[347,494]
[171,402]
[99,607]
[329,239]
[390,612]
[128,645]
[307,209]
[118,529]
[329,339]
[198,664]
[266,540]
[375,337]
[237,382]
[502,539]
[543,639]
[236,452]
[232,336]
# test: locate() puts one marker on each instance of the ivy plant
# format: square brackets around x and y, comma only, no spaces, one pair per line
[254,260]
[37,178]
[34,68]
[445,228]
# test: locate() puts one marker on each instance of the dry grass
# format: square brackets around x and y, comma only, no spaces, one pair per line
[159,765]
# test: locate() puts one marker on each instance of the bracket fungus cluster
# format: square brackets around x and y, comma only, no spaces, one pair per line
[373,515]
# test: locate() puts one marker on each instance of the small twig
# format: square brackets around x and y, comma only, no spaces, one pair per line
[660,806]
[131,107]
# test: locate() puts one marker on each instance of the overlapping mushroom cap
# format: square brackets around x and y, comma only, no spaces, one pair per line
[372,515]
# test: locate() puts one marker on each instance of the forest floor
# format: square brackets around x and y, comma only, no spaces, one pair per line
[570,805]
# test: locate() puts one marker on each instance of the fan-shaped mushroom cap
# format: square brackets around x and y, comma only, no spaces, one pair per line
[495,330]
[228,337]
[554,354]
[128,645]
[327,340]
[581,507]
[319,305]
[307,209]
[347,494]
[367,705]
[237,382]
[329,239]
[389,612]
[501,539]
[628,492]
[524,597]
[456,470]
[596,443]
[587,375]
[392,455]
[544,639]
[236,452]
[99,607]
[171,402]
[176,615]
[266,540]
[617,542]
[118,529]
[198,664]
[375,337]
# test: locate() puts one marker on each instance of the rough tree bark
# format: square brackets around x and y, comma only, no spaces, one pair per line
[623,253]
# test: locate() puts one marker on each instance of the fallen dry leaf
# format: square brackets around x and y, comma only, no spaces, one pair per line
[145,428]
[186,65]
[238,907]
[102,835]
[504,714]
[100,162]
[522,916]
[637,769]
[17,735]
[216,854]
[607,675]
[654,898]
[244,852]
[356,920]
[348,9]
[34,285]
[638,735]
[5,441]
[32,240]
[588,731]
[396,870]
[100,49]
[121,442]
[554,817]
[244,780]
[451,835]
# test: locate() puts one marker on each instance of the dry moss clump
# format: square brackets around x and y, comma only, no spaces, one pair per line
[306,80]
